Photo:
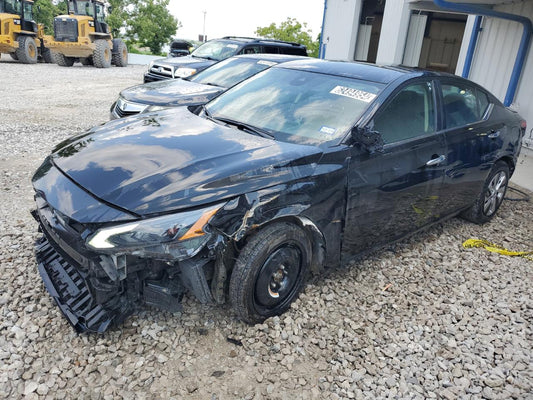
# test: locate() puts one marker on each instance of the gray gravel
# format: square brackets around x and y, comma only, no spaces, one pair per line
[452,323]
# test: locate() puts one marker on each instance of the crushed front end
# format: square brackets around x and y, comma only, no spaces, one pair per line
[100,263]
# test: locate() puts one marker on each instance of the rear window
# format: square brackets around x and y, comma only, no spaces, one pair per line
[293,50]
[463,104]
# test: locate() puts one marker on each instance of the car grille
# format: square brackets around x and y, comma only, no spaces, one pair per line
[66,30]
[122,112]
[162,70]
[68,287]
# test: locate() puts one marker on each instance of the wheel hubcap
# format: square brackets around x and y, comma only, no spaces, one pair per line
[278,276]
[495,193]
[31,50]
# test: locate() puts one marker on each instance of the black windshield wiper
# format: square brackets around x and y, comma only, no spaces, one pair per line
[244,127]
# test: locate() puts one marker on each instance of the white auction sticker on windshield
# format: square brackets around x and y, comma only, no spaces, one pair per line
[327,130]
[356,94]
[264,62]
[232,46]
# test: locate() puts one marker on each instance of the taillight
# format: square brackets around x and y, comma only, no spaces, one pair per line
[523,124]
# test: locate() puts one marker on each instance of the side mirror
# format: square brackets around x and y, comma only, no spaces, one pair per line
[368,139]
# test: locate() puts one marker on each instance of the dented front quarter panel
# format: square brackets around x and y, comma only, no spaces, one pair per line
[314,198]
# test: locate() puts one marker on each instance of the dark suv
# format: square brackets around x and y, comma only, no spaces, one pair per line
[217,50]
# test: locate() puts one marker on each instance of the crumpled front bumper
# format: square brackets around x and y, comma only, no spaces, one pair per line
[68,287]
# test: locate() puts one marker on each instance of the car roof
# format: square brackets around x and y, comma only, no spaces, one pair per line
[273,42]
[278,58]
[356,70]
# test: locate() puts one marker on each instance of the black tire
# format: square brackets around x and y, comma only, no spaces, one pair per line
[491,196]
[86,61]
[102,54]
[14,56]
[47,56]
[27,51]
[62,60]
[269,272]
[120,53]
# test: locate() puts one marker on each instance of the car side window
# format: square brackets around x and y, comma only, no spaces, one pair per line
[463,104]
[270,50]
[411,113]
[250,50]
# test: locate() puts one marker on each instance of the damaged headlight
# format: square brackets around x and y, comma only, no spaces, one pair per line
[177,236]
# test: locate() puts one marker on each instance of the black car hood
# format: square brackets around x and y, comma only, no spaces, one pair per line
[186,61]
[171,92]
[160,162]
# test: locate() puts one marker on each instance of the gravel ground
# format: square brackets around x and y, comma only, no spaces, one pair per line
[451,323]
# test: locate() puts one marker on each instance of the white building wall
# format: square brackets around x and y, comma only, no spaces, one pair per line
[340,29]
[495,56]
[393,32]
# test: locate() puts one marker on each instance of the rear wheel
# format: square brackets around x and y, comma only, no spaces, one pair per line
[62,60]
[269,272]
[27,51]
[102,54]
[47,56]
[491,196]
[120,53]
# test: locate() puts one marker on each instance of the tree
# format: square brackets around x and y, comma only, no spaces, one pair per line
[151,24]
[291,31]
[44,12]
[117,16]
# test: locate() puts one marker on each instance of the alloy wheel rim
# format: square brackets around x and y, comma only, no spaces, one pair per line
[495,193]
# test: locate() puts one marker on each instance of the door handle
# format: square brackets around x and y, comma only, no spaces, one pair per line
[494,134]
[436,161]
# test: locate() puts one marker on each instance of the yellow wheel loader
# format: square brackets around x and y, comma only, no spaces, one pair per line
[20,36]
[83,35]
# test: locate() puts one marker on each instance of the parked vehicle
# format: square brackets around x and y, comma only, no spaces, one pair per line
[20,36]
[195,90]
[84,36]
[275,178]
[217,50]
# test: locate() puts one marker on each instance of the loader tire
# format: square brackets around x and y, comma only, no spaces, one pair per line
[47,56]
[102,54]
[120,53]
[62,60]
[27,51]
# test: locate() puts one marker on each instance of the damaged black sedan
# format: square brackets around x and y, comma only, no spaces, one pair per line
[280,176]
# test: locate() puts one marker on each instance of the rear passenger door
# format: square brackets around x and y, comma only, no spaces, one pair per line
[472,140]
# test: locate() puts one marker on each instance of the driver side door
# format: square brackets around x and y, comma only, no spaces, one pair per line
[397,191]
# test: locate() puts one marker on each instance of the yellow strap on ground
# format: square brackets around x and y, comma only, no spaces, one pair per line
[496,248]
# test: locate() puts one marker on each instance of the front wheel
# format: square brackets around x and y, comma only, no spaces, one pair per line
[269,272]
[491,196]
[27,51]
[102,54]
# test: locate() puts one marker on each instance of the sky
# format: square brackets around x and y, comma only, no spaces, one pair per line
[242,17]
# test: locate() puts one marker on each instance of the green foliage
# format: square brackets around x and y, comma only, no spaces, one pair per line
[151,25]
[117,16]
[44,12]
[291,31]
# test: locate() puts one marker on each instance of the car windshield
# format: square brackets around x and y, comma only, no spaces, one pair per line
[216,50]
[296,106]
[230,72]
